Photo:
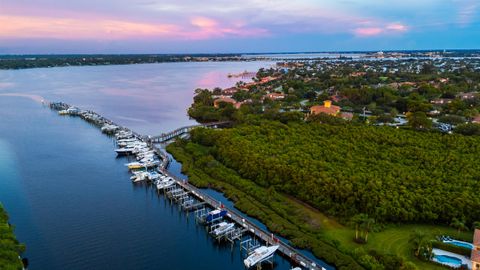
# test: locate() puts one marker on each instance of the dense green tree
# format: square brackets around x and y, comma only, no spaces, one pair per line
[468,129]
[394,175]
[419,120]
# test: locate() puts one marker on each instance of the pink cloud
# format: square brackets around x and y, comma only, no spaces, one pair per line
[368,31]
[206,28]
[72,28]
[17,26]
[397,27]
[391,28]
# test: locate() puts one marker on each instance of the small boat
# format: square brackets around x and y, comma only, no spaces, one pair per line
[124,151]
[142,164]
[135,165]
[215,214]
[165,182]
[152,176]
[142,176]
[260,254]
[223,228]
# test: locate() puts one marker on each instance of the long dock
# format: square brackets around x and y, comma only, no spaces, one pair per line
[181,192]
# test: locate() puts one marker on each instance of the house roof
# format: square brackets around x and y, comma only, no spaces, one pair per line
[475,256]
[476,119]
[224,99]
[322,109]
[476,237]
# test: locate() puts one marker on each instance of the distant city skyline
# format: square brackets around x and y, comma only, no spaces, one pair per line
[216,26]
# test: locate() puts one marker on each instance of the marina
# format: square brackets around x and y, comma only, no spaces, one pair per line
[221,222]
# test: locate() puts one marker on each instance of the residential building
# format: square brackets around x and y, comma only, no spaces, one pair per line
[326,108]
[216,102]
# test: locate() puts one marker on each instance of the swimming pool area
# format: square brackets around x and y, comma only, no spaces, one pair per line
[460,244]
[450,259]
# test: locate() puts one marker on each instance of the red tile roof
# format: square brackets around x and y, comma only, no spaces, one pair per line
[475,256]
[217,101]
[326,108]
[476,119]
[476,238]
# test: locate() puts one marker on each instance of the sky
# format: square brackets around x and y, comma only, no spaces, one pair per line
[218,26]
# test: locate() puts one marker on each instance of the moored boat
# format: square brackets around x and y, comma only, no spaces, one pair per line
[222,228]
[260,254]
[215,214]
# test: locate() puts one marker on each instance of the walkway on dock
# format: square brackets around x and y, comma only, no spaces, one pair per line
[180,131]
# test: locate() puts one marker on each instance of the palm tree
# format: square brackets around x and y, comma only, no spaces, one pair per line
[419,239]
[357,221]
[458,224]
[367,224]
[476,225]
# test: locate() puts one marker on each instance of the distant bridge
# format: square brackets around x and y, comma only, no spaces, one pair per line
[180,131]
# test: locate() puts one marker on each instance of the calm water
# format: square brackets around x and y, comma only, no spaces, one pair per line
[71,199]
[148,98]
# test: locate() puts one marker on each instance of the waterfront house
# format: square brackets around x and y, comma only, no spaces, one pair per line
[476,250]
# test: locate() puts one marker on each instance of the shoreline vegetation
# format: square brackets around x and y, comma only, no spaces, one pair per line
[19,61]
[10,248]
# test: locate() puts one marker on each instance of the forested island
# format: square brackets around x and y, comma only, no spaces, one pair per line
[10,248]
[367,164]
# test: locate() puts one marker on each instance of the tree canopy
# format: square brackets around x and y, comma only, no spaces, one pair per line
[392,175]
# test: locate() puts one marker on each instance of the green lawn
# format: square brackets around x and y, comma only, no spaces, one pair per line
[395,240]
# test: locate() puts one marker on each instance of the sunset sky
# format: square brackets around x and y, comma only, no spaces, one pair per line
[190,26]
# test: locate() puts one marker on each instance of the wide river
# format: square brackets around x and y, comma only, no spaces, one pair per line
[67,194]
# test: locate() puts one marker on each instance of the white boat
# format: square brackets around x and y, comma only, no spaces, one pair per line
[142,176]
[124,151]
[260,254]
[165,182]
[223,227]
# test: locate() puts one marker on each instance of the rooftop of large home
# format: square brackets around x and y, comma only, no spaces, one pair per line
[476,238]
[475,257]
[216,102]
[326,108]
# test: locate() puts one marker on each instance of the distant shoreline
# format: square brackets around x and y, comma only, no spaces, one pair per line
[29,61]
